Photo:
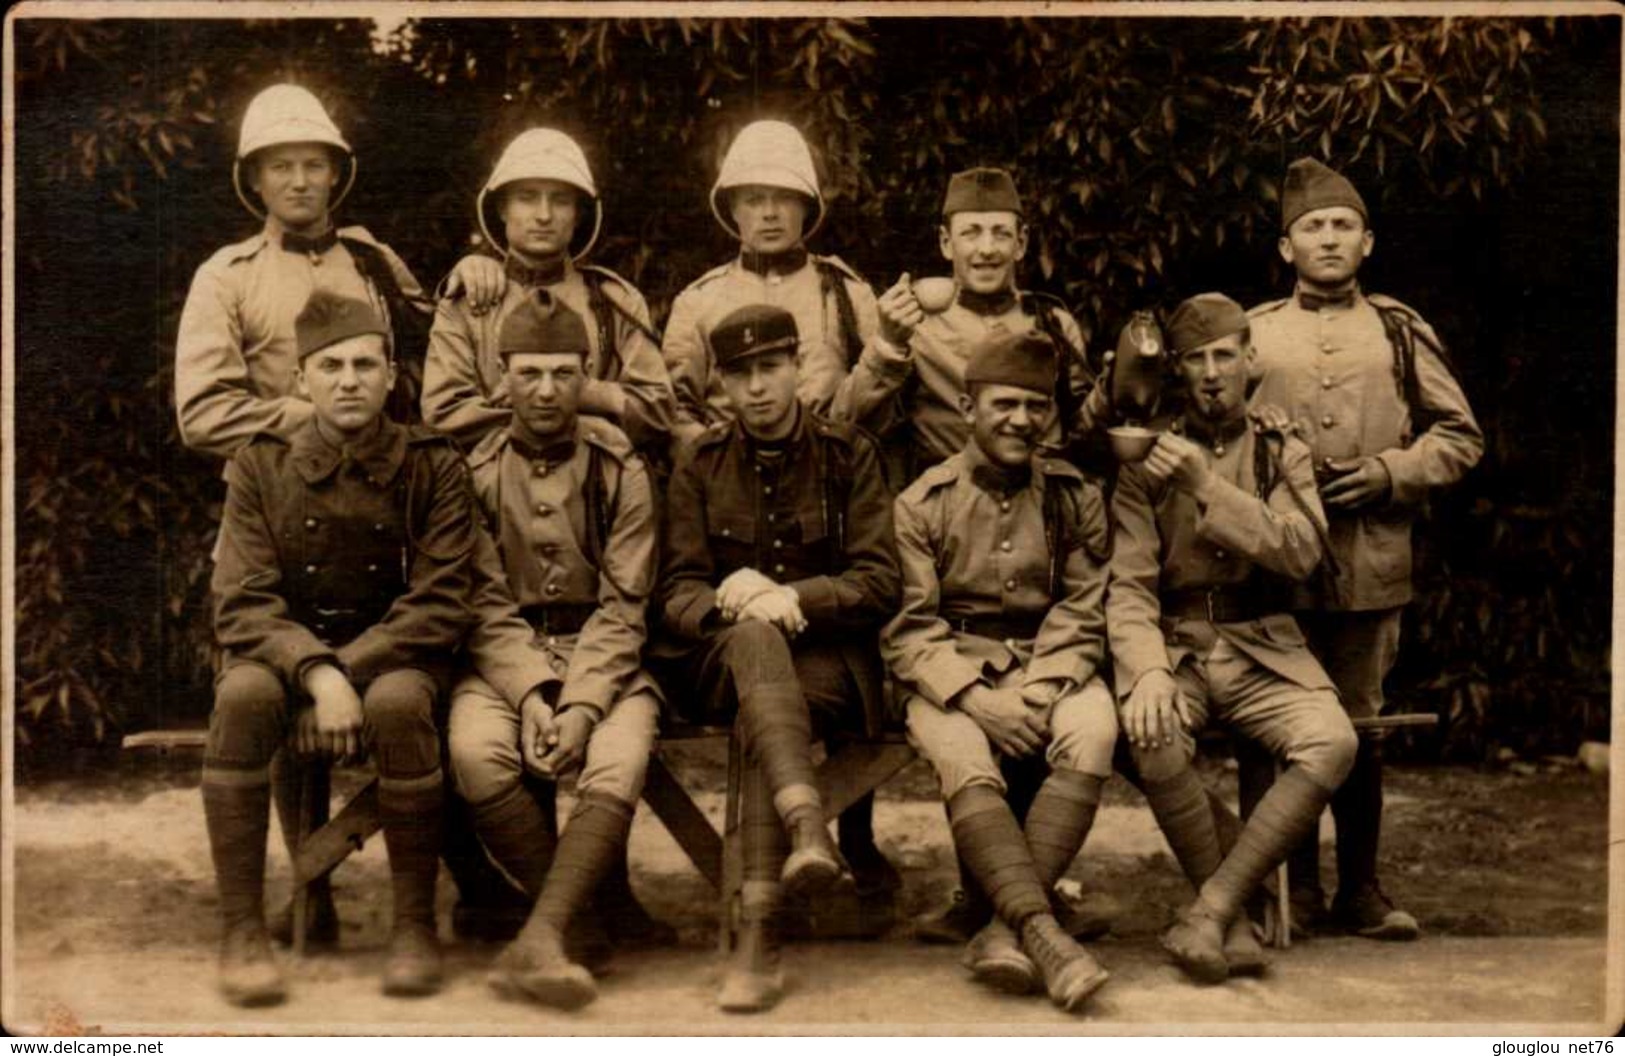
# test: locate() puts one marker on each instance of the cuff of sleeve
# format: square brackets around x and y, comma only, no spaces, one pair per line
[691,621]
[1128,670]
[885,358]
[1399,494]
[939,687]
[1065,665]
[595,711]
[533,673]
[301,667]
[817,594]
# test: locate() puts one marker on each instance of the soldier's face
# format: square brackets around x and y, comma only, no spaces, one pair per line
[1216,374]
[984,249]
[1007,421]
[347,382]
[769,219]
[539,216]
[545,388]
[295,181]
[1327,246]
[762,390]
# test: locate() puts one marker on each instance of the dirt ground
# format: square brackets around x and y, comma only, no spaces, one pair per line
[115,926]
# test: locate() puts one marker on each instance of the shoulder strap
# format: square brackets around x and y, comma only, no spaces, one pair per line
[602,507]
[1269,469]
[834,285]
[403,404]
[598,305]
[1403,335]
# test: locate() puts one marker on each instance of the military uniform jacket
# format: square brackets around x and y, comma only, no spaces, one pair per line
[819,521]
[1168,540]
[1333,370]
[236,353]
[920,387]
[548,563]
[465,390]
[358,557]
[973,559]
[823,359]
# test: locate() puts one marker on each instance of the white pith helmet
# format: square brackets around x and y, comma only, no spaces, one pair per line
[768,154]
[286,113]
[541,154]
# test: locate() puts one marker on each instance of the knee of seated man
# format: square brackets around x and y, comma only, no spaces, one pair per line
[749,638]
[249,693]
[400,701]
[1328,744]
[1159,762]
[485,760]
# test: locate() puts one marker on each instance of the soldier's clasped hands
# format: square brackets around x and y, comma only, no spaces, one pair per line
[1015,728]
[337,711]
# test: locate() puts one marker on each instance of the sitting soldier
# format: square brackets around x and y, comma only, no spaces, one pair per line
[561,594]
[778,570]
[340,590]
[1212,529]
[996,652]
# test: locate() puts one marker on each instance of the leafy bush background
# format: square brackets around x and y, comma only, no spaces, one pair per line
[1150,151]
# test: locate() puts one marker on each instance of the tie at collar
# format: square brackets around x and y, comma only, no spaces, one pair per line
[1314,300]
[781,263]
[315,245]
[988,303]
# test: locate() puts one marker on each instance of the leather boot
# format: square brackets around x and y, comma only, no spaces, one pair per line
[754,979]
[414,967]
[1196,943]
[1070,973]
[1243,955]
[536,966]
[412,813]
[1360,907]
[995,959]
[813,863]
[249,974]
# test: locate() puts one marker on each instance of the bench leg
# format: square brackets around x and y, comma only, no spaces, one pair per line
[1283,895]
[301,884]
[733,852]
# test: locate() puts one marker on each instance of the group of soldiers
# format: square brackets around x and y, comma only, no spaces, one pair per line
[797,494]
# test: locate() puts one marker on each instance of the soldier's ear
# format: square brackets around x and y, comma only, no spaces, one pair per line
[945,240]
[1021,239]
[1283,245]
[967,405]
[301,388]
[1367,242]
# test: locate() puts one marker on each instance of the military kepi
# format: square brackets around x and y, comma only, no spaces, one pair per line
[1025,360]
[542,323]
[328,318]
[1311,185]
[981,190]
[752,331]
[1205,317]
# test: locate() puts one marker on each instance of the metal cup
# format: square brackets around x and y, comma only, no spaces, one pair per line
[1131,443]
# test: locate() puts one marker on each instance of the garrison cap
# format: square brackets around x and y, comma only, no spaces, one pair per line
[1311,185]
[1205,317]
[542,323]
[981,190]
[1025,360]
[752,331]
[328,318]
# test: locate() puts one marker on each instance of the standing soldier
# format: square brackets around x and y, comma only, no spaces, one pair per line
[767,196]
[779,569]
[341,588]
[912,372]
[998,648]
[1368,383]
[1212,529]
[541,209]
[236,354]
[559,643]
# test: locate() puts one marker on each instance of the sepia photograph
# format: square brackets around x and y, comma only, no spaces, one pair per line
[810,519]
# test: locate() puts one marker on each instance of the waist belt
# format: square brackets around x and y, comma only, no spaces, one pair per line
[1233,603]
[1021,628]
[557,619]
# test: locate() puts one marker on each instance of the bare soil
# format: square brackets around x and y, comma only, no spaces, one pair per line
[115,925]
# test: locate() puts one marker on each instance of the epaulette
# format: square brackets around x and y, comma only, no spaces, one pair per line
[243,250]
[359,234]
[843,431]
[1268,306]
[939,475]
[1382,300]
[1060,467]
[606,436]
[488,448]
[711,276]
[619,280]
[1045,298]
[839,265]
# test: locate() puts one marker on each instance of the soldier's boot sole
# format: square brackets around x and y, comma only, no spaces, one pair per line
[1072,986]
[750,989]
[249,974]
[1242,951]
[415,966]
[1196,943]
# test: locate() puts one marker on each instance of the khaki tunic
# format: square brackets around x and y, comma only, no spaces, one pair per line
[1169,540]
[968,556]
[822,357]
[920,386]
[1332,370]
[236,352]
[465,390]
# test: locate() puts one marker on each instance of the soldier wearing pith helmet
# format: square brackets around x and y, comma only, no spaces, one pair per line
[541,210]
[767,196]
[1370,387]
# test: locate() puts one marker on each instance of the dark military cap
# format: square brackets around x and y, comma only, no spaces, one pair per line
[1311,185]
[1025,360]
[981,190]
[328,318]
[542,323]
[1205,317]
[751,331]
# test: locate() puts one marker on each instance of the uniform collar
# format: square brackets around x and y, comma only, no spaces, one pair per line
[988,303]
[380,455]
[294,242]
[783,262]
[1314,300]
[549,272]
[791,440]
[1215,435]
[1001,482]
[554,452]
